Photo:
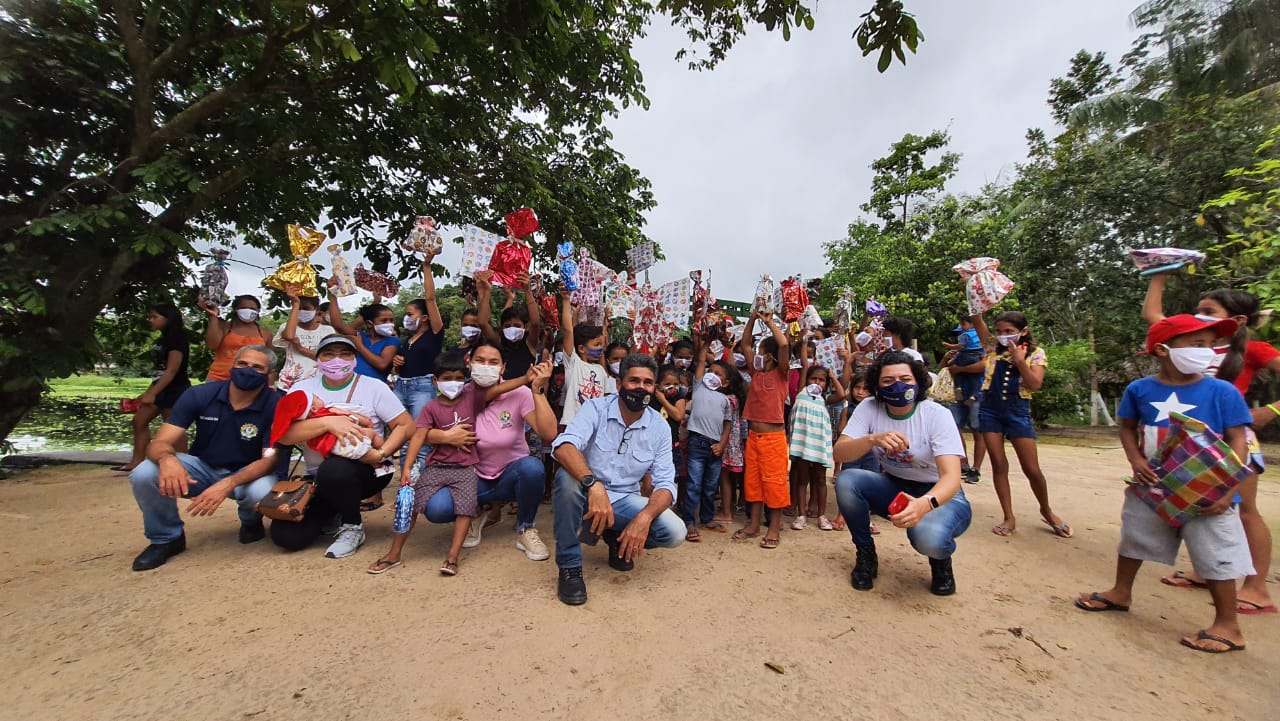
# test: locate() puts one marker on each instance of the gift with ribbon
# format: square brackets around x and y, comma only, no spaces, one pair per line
[214,279]
[826,354]
[568,266]
[648,329]
[297,275]
[985,285]
[344,283]
[1162,260]
[511,258]
[810,320]
[619,297]
[794,298]
[592,275]
[764,301]
[844,311]
[423,237]
[522,223]
[380,284]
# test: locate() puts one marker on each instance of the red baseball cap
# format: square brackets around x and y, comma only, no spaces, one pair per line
[1176,325]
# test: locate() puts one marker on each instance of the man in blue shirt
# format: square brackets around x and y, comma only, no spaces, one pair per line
[604,453]
[233,423]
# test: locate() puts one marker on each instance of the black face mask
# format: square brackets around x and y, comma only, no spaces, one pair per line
[635,399]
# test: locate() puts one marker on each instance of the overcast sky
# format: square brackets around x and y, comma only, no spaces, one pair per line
[756,164]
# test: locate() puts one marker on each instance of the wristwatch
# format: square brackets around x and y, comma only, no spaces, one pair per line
[587,482]
[932,501]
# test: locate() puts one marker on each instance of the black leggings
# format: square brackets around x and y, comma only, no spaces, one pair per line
[341,483]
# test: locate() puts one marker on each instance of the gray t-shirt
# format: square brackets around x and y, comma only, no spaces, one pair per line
[931,431]
[710,409]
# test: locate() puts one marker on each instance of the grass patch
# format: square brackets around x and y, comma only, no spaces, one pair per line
[95,386]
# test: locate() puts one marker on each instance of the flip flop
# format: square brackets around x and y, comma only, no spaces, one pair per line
[1061,531]
[381,566]
[715,527]
[450,568]
[1003,531]
[1178,579]
[692,535]
[1107,605]
[769,543]
[838,525]
[1206,636]
[1254,609]
[741,535]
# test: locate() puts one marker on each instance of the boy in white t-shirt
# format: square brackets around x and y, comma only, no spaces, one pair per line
[585,375]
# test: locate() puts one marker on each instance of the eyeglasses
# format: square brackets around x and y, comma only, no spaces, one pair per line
[626,439]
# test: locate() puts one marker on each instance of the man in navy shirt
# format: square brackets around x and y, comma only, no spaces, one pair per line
[233,423]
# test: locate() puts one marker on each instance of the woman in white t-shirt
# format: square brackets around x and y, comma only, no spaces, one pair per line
[920,451]
[300,338]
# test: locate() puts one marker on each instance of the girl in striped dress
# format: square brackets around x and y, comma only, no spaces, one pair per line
[811,446]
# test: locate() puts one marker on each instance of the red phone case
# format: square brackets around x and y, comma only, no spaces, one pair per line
[898,504]
[129,405]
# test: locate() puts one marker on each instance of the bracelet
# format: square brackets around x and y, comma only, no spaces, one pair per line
[1272,407]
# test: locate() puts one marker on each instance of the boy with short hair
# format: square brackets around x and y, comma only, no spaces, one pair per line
[1183,346]
[767,453]
[585,374]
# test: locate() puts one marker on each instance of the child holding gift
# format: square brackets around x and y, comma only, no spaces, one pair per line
[585,376]
[765,482]
[1183,346]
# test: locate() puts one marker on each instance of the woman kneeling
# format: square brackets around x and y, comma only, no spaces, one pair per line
[920,452]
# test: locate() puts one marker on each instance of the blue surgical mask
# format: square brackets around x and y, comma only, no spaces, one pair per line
[898,395]
[595,354]
[247,379]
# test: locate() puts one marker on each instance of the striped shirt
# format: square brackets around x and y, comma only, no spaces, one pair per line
[811,430]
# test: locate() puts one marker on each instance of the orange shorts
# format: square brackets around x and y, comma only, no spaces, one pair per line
[765,478]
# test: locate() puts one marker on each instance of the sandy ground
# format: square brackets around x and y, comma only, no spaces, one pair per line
[231,632]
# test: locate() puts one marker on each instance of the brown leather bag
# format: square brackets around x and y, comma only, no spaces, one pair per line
[287,500]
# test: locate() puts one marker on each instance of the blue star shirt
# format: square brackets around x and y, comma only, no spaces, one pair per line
[1215,403]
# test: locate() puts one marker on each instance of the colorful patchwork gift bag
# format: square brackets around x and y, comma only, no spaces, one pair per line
[1196,469]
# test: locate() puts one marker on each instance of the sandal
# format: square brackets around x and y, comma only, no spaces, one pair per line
[381,566]
[123,468]
[1206,636]
[1107,604]
[715,527]
[875,530]
[1003,531]
[768,543]
[742,535]
[1061,530]
[366,505]
[692,535]
[1254,609]
[1179,579]
[838,525]
[449,568]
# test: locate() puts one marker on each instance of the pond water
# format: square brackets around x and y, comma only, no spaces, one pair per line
[74,424]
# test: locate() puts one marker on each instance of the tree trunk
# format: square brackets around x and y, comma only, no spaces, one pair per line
[15,405]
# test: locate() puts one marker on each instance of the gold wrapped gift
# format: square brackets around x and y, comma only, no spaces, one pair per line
[297,275]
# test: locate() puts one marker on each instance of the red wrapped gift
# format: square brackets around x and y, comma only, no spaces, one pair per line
[377,283]
[794,299]
[550,313]
[510,259]
[522,223]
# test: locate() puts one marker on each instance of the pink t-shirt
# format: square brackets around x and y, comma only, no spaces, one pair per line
[439,415]
[500,437]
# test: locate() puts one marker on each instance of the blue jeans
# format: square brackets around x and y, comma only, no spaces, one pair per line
[160,519]
[569,502]
[521,481]
[704,477]
[868,462]
[414,395]
[861,493]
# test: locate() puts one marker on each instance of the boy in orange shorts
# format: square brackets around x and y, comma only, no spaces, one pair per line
[767,454]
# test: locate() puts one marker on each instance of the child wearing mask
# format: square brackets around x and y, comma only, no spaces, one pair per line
[585,375]
[811,443]
[765,481]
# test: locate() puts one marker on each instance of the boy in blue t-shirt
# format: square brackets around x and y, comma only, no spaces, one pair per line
[1183,345]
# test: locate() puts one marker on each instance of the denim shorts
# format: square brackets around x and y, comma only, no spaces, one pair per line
[1012,421]
[966,415]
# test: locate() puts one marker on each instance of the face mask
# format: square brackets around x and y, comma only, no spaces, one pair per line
[559,358]
[306,316]
[248,379]
[469,332]
[513,334]
[863,339]
[898,395]
[682,391]
[1207,318]
[450,389]
[386,330]
[336,369]
[1191,360]
[712,382]
[759,362]
[410,323]
[635,399]
[739,360]
[248,315]
[595,354]
[1008,340]
[814,390]
[671,391]
[615,367]
[485,376]
[683,363]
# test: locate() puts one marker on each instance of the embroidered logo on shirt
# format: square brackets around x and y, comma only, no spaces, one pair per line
[248,432]
[505,419]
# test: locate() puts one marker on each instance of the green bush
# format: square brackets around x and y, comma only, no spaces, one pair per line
[1064,397]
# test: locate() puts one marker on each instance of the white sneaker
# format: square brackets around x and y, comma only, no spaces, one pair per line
[350,537]
[798,524]
[473,533]
[531,543]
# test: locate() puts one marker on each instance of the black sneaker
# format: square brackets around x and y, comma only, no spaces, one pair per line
[944,580]
[155,555]
[252,532]
[971,475]
[615,559]
[866,568]
[571,589]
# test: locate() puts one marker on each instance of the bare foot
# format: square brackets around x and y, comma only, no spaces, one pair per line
[746,532]
[1006,528]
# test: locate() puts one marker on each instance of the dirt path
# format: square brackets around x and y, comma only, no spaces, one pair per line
[228,632]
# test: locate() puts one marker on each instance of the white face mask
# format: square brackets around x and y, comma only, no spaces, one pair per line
[450,389]
[410,323]
[248,315]
[386,330]
[683,362]
[814,390]
[469,332]
[1191,360]
[513,334]
[1207,318]
[306,316]
[1008,340]
[739,360]
[615,367]
[485,376]
[759,362]
[711,381]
